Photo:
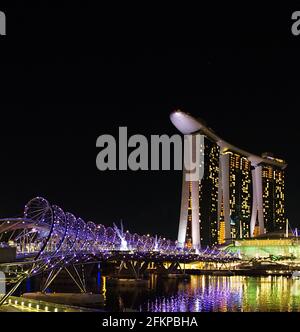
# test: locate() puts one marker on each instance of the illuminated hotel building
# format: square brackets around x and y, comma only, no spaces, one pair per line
[241,195]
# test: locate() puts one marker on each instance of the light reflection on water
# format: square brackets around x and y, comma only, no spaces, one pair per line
[234,293]
[200,293]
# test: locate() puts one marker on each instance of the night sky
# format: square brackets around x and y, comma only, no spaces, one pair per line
[56,101]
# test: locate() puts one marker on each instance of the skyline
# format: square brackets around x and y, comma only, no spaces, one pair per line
[51,149]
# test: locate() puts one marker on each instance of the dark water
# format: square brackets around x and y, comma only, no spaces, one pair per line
[209,293]
[200,293]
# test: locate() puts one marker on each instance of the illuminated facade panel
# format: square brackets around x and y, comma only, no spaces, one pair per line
[240,195]
[273,198]
[208,195]
[223,196]
[279,199]
[268,197]
[189,224]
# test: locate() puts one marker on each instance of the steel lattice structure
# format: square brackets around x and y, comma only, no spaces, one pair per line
[47,239]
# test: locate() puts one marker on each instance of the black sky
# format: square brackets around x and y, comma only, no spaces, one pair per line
[57,101]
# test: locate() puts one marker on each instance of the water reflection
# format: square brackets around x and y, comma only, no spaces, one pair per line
[200,293]
[208,293]
[235,293]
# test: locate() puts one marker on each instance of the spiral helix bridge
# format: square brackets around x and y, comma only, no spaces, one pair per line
[47,240]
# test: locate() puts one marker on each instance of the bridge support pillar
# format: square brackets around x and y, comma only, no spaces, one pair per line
[78,280]
[173,268]
[133,268]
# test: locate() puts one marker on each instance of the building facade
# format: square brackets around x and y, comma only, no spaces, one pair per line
[208,194]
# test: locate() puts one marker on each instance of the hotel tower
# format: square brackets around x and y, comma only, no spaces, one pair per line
[241,195]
